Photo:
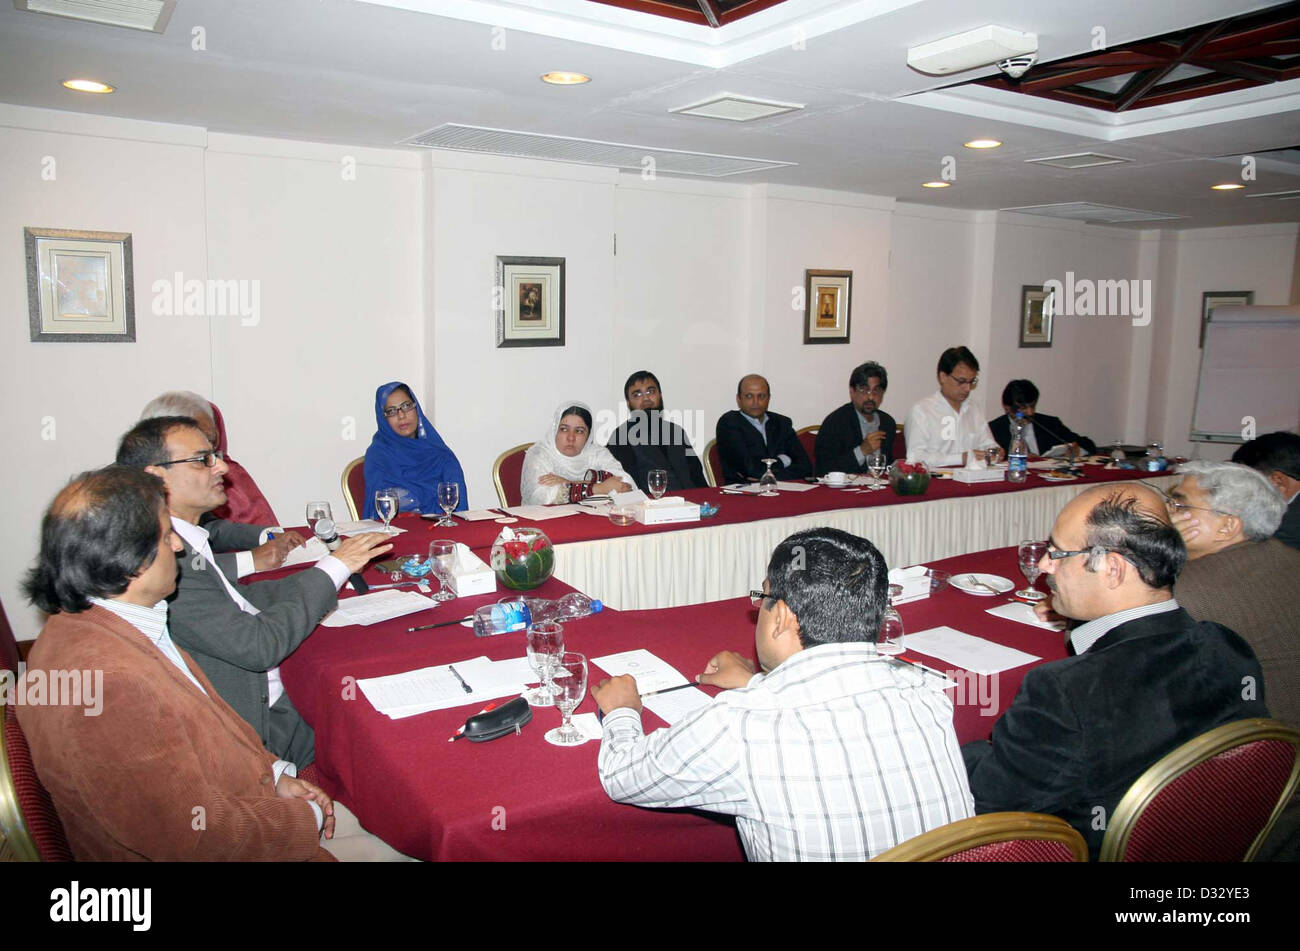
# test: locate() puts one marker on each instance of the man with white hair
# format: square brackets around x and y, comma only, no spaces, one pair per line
[1237,574]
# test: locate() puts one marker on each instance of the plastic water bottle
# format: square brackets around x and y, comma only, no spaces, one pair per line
[575,604]
[1017,470]
[504,618]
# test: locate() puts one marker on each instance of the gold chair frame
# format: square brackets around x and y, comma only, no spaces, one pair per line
[496,470]
[710,476]
[347,493]
[994,827]
[16,842]
[1186,757]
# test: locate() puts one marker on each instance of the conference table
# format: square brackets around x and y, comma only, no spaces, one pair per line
[638,566]
[520,798]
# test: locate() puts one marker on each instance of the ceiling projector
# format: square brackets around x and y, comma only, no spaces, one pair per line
[979,47]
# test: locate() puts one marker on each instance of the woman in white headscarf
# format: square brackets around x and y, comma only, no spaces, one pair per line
[567,465]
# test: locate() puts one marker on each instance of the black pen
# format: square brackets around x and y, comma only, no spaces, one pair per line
[425,627]
[653,693]
[460,678]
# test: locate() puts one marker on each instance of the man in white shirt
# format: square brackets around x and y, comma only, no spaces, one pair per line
[947,428]
[832,752]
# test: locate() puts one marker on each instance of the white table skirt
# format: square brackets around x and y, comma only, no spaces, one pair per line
[670,569]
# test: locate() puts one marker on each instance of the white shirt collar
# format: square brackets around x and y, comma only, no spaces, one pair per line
[1085,635]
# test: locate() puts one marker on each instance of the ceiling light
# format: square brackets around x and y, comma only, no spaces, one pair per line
[87,85]
[983,144]
[1227,187]
[562,77]
[935,184]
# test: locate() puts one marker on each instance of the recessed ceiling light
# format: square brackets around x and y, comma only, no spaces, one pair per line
[87,85]
[935,184]
[562,77]
[1227,187]
[983,144]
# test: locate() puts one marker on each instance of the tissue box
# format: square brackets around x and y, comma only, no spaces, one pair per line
[915,582]
[979,475]
[661,514]
[472,575]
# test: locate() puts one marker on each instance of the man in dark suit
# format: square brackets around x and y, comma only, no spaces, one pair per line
[750,434]
[1277,455]
[1042,432]
[648,440]
[859,427]
[1145,677]
[238,634]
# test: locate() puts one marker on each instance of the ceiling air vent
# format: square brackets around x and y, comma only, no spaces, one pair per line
[1288,195]
[736,108]
[560,148]
[1078,160]
[150,15]
[1087,211]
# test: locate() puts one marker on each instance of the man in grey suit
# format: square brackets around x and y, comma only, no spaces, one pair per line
[238,634]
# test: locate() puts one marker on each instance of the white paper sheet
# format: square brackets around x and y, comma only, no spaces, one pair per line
[377,606]
[476,515]
[966,651]
[310,552]
[650,672]
[671,707]
[753,488]
[1024,613]
[436,688]
[540,513]
[364,525]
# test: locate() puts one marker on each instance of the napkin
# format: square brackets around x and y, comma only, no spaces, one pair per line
[915,582]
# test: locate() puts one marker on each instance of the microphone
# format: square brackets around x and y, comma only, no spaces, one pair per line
[1057,436]
[329,537]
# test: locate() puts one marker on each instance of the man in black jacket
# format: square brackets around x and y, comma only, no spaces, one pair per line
[1042,432]
[649,440]
[750,434]
[1277,455]
[859,427]
[1145,677]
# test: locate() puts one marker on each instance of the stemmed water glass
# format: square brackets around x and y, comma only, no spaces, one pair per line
[317,511]
[1030,554]
[545,645]
[442,560]
[569,687]
[448,498]
[768,481]
[656,481]
[876,465]
[890,640]
[386,503]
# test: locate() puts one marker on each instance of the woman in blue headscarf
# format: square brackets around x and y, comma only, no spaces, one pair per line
[408,454]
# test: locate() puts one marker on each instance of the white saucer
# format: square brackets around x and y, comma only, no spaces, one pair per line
[998,582]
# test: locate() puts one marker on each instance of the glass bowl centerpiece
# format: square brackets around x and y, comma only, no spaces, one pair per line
[909,478]
[522,558]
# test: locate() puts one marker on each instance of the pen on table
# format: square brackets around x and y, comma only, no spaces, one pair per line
[917,663]
[425,627]
[467,687]
[655,693]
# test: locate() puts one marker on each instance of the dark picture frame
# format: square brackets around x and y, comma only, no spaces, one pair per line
[828,313]
[80,286]
[529,301]
[1037,316]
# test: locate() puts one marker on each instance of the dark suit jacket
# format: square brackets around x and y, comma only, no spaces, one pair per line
[1289,531]
[648,441]
[126,782]
[1082,729]
[1050,431]
[841,433]
[236,649]
[742,449]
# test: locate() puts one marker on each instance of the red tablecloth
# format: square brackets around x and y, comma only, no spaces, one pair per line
[521,798]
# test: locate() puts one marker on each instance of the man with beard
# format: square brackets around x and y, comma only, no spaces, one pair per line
[647,440]
[859,427]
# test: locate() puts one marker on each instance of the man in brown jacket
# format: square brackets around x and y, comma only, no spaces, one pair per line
[143,759]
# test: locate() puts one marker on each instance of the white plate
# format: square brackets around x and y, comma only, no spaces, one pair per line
[1052,478]
[960,582]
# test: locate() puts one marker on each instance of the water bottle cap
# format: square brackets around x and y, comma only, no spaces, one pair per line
[597,607]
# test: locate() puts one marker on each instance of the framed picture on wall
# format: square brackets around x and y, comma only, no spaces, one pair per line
[80,288]
[1037,313]
[529,302]
[826,306]
[1213,299]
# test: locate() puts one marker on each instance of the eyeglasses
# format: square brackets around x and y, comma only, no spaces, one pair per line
[972,382]
[863,390]
[648,391]
[209,459]
[391,411]
[756,597]
[1055,554]
[1174,505]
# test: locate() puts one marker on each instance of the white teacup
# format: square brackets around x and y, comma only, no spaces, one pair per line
[837,478]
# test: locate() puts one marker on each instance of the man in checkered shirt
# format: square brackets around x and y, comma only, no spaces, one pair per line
[833,752]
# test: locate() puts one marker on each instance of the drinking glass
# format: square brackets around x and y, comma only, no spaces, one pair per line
[569,686]
[876,465]
[1030,554]
[448,498]
[656,481]
[768,481]
[317,511]
[442,560]
[545,645]
[890,640]
[386,506]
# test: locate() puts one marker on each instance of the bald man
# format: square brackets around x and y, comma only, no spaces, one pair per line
[1143,679]
[749,434]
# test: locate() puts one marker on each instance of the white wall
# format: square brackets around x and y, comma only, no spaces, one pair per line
[389,275]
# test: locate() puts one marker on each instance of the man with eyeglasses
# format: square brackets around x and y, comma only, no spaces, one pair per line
[1144,677]
[238,634]
[850,434]
[749,434]
[947,428]
[648,440]
[831,752]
